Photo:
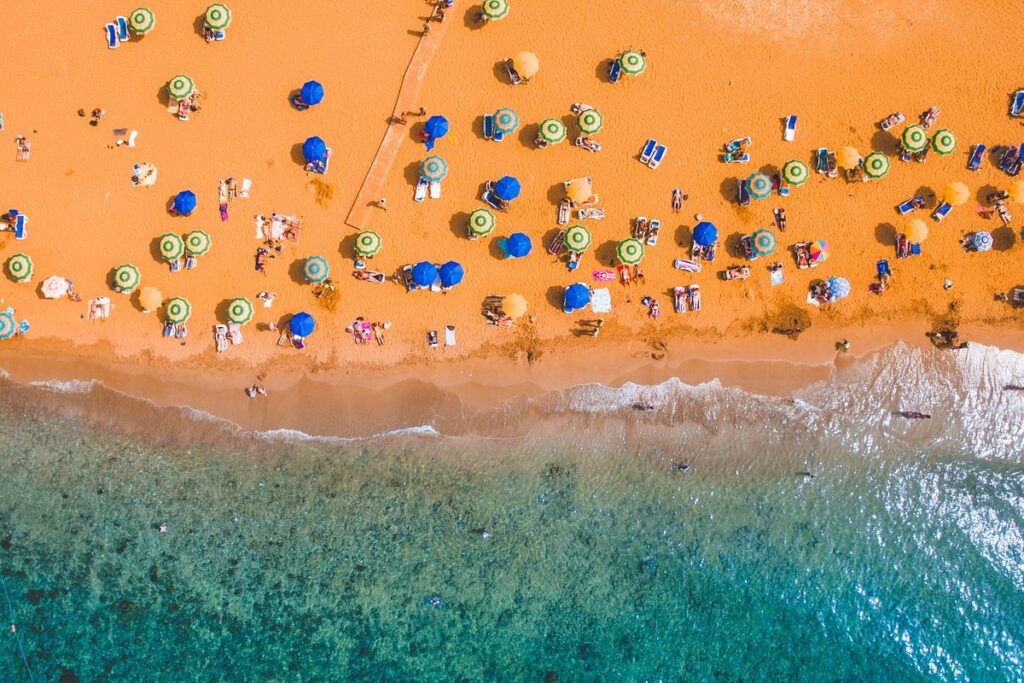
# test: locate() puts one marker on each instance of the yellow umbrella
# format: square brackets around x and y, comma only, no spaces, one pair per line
[514,306]
[579,190]
[150,298]
[848,157]
[527,64]
[917,231]
[1017,191]
[956,194]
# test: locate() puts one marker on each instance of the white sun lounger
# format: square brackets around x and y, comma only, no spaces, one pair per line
[659,154]
[421,190]
[435,190]
[648,151]
[449,335]
[112,41]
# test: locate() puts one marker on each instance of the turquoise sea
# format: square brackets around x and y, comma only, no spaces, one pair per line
[574,551]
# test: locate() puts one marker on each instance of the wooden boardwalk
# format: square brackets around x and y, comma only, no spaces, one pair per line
[408,100]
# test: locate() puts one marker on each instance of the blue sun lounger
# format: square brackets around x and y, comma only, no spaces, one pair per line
[941,211]
[977,156]
[744,194]
[122,29]
[1018,103]
[488,127]
[648,151]
[19,227]
[659,154]
[915,249]
[883,268]
[111,36]
[909,205]
[615,71]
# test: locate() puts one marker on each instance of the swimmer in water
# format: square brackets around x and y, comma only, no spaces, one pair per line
[644,407]
[914,415]
[806,474]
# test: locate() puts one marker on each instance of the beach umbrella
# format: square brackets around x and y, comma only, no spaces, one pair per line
[171,246]
[312,93]
[915,138]
[315,269]
[590,121]
[436,127]
[630,251]
[20,268]
[705,234]
[552,130]
[956,193]
[433,168]
[177,310]
[507,188]
[1016,191]
[54,287]
[944,142]
[7,325]
[526,64]
[759,185]
[848,157]
[240,310]
[302,324]
[127,277]
[764,242]
[142,20]
[633,62]
[795,172]
[577,239]
[197,242]
[180,87]
[481,222]
[218,16]
[982,240]
[820,250]
[495,9]
[185,202]
[576,297]
[917,231]
[150,298]
[314,149]
[579,190]
[451,274]
[424,273]
[506,121]
[368,243]
[514,305]
[876,165]
[518,245]
[839,287]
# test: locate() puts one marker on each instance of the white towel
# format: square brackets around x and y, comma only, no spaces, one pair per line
[259,226]
[601,301]
[131,138]
[244,190]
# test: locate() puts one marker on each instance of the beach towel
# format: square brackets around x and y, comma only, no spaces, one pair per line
[601,301]
[604,275]
[449,335]
[776,277]
[246,186]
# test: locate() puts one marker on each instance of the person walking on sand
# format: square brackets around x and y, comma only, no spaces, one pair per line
[383,203]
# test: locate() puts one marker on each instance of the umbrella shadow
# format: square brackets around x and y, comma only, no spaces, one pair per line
[883,141]
[297,156]
[555,296]
[495,250]
[478,127]
[732,245]
[684,236]
[549,237]
[295,271]
[154,252]
[412,173]
[528,136]
[471,17]
[885,234]
[556,193]
[198,25]
[458,222]
[729,189]
[347,246]
[293,97]
[415,130]
[929,196]
[163,96]
[983,192]
[769,170]
[604,254]
[1003,239]
[601,70]
[499,72]
[136,300]
[220,311]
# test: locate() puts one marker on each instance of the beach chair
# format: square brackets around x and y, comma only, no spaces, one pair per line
[821,160]
[977,156]
[789,133]
[744,195]
[490,199]
[686,265]
[112,40]
[737,145]
[435,190]
[747,247]
[780,185]
[591,213]
[695,297]
[652,232]
[489,127]
[832,167]
[648,151]
[736,158]
[775,274]
[941,211]
[574,260]
[586,143]
[639,229]
[432,339]
[780,219]
[410,284]
[902,247]
[679,296]
[513,76]
[882,268]
[449,335]
[891,120]
[928,118]
[1017,103]
[802,255]
[421,190]
[564,211]
[909,205]
[557,243]
[19,226]
[122,29]
[614,71]
[659,155]
[625,274]
[915,249]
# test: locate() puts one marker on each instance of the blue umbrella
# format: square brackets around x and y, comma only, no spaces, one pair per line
[507,188]
[436,127]
[705,234]
[839,287]
[424,273]
[314,149]
[451,274]
[185,202]
[517,245]
[576,297]
[302,324]
[312,92]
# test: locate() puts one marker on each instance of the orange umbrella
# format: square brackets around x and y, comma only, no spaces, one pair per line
[150,298]
[956,194]
[1017,191]
[917,231]
[514,305]
[848,157]
[527,64]
[579,190]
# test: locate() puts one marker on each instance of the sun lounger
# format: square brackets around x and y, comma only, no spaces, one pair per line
[112,40]
[435,190]
[695,297]
[891,120]
[490,198]
[780,219]
[624,273]
[183,110]
[802,255]
[928,117]
[557,243]
[915,249]
[19,226]
[652,232]
[789,134]
[122,29]
[1017,103]
[686,265]
[780,185]
[902,246]
[648,151]
[915,202]
[1004,214]
[993,197]
[659,155]
[821,160]
[410,284]
[220,337]
[614,71]
[513,76]
[592,213]
[832,167]
[679,297]
[747,247]
[736,158]
[639,228]
[564,211]
[1007,157]
[586,143]
[488,127]
[736,273]
[977,156]
[421,190]
[574,260]
[432,339]
[449,335]
[710,251]
[775,274]
[737,145]
[882,267]
[744,195]
[941,211]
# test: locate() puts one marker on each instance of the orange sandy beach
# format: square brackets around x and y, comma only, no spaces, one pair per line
[717,70]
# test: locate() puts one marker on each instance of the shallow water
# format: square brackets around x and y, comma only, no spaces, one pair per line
[901,559]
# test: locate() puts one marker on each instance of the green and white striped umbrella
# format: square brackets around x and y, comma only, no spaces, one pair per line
[178,309]
[218,16]
[876,165]
[434,168]
[368,243]
[506,121]
[495,9]
[20,268]
[795,172]
[764,242]
[197,243]
[142,20]
[590,121]
[171,246]
[759,185]
[944,142]
[127,277]
[915,138]
[552,130]
[8,325]
[240,310]
[577,239]
[633,62]
[315,269]
[630,251]
[180,87]
[482,222]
